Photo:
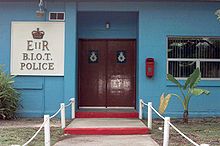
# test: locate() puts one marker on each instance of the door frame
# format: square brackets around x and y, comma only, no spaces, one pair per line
[78,73]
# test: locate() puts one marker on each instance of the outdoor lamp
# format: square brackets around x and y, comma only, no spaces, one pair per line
[40,12]
[217,13]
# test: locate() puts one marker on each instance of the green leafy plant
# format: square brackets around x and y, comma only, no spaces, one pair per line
[187,90]
[9,97]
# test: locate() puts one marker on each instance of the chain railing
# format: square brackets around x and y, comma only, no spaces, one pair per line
[46,123]
[167,123]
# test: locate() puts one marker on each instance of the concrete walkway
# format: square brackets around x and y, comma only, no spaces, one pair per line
[107,140]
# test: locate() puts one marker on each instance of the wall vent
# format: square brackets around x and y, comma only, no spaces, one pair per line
[56,16]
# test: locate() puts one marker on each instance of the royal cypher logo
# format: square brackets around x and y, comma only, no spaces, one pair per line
[38,60]
[37,34]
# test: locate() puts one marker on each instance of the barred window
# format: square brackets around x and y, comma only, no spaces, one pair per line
[184,54]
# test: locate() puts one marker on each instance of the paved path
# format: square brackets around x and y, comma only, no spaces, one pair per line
[107,140]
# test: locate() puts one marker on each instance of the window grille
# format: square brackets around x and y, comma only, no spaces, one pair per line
[184,54]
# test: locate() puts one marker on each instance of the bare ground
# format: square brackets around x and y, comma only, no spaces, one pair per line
[19,131]
[201,130]
[27,122]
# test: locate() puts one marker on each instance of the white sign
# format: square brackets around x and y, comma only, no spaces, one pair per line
[37,48]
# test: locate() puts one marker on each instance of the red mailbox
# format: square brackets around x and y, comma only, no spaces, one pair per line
[150,67]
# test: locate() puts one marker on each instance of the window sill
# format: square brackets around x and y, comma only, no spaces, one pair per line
[202,83]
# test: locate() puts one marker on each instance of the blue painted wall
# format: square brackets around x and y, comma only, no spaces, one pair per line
[122,25]
[40,95]
[155,21]
[159,20]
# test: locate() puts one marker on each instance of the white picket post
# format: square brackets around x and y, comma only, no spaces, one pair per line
[204,145]
[47,130]
[140,109]
[149,115]
[63,123]
[73,108]
[166,131]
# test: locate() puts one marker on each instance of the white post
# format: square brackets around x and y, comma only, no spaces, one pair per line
[166,131]
[63,123]
[204,145]
[140,109]
[73,107]
[47,130]
[149,119]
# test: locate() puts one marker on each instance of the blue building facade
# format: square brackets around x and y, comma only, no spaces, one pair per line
[150,23]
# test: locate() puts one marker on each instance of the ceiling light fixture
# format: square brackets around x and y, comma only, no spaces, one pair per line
[107,25]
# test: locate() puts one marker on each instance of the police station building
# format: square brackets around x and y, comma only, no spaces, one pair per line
[110,53]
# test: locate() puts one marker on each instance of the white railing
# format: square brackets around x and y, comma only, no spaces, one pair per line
[46,123]
[167,123]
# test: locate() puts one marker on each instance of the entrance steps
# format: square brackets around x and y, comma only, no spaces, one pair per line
[106,123]
[102,113]
[106,126]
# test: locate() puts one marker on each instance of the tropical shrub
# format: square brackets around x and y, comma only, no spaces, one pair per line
[9,97]
[187,90]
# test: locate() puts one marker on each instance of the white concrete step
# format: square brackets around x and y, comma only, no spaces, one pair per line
[106,126]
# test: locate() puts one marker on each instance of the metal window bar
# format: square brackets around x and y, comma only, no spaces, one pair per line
[184,51]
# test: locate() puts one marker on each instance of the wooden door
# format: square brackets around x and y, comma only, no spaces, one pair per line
[121,73]
[107,73]
[92,73]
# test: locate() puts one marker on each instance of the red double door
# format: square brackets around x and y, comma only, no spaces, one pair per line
[107,70]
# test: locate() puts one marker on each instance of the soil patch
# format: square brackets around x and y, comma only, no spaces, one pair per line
[200,130]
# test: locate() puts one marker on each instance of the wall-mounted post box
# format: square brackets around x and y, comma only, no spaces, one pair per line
[150,67]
